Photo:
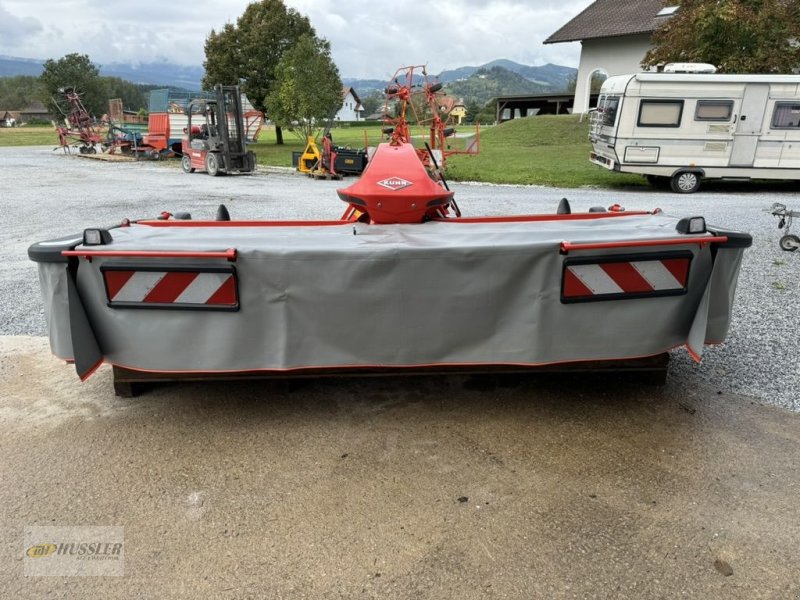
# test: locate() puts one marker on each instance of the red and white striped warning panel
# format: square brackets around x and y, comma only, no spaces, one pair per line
[179,288]
[623,277]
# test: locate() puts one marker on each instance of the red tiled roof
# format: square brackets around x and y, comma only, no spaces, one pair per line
[612,18]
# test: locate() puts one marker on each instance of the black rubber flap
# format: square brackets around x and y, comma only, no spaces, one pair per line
[84,345]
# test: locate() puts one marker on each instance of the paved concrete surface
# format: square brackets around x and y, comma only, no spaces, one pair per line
[441,487]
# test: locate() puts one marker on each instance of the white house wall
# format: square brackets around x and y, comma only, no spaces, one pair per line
[613,56]
[348,111]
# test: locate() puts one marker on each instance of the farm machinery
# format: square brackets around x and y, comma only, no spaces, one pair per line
[81,130]
[79,127]
[324,160]
[400,282]
[412,100]
[789,241]
[215,139]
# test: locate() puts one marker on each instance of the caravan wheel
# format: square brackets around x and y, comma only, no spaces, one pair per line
[685,182]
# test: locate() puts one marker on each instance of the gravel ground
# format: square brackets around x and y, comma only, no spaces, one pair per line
[45,194]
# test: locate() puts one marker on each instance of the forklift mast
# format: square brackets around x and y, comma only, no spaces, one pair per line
[229,117]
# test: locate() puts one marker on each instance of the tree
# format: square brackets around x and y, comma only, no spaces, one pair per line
[373,103]
[248,52]
[473,110]
[19,91]
[75,71]
[134,96]
[597,82]
[737,36]
[307,89]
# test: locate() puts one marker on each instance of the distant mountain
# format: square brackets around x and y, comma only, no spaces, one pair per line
[166,74]
[487,83]
[365,87]
[530,80]
[542,79]
[10,66]
[554,78]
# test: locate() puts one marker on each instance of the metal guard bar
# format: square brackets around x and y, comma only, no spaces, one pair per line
[190,223]
[566,247]
[229,254]
[534,218]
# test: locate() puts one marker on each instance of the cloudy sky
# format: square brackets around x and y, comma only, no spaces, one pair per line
[369,39]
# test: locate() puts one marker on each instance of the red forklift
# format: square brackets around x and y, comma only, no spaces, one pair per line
[215,139]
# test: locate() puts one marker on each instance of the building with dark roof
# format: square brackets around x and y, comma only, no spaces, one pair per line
[614,36]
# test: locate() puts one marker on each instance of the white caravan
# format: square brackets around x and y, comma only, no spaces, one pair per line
[680,128]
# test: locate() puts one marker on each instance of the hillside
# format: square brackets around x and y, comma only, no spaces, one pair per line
[474,84]
[554,78]
[485,84]
[163,74]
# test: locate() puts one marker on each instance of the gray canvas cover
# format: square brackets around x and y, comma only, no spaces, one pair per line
[439,293]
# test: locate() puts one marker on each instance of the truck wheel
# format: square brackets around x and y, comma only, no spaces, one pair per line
[789,242]
[685,182]
[212,164]
[186,164]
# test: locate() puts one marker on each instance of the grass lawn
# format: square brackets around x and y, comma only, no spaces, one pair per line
[29,135]
[543,150]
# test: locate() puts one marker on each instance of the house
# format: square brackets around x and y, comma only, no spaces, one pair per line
[351,106]
[454,108]
[9,118]
[614,36]
[36,111]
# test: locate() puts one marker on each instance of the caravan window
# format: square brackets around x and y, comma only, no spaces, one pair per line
[660,113]
[786,115]
[609,109]
[713,110]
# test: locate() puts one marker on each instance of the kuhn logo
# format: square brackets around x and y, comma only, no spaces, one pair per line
[394,183]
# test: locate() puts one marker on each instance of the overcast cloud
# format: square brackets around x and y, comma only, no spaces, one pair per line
[368,39]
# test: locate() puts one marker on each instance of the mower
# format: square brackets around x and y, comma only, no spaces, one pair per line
[399,283]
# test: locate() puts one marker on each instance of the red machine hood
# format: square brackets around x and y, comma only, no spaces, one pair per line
[396,188]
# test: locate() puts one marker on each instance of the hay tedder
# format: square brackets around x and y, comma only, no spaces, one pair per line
[399,283]
[79,128]
[413,101]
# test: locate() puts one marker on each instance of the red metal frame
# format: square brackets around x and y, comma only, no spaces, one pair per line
[79,127]
[412,93]
[566,247]
[182,223]
[535,218]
